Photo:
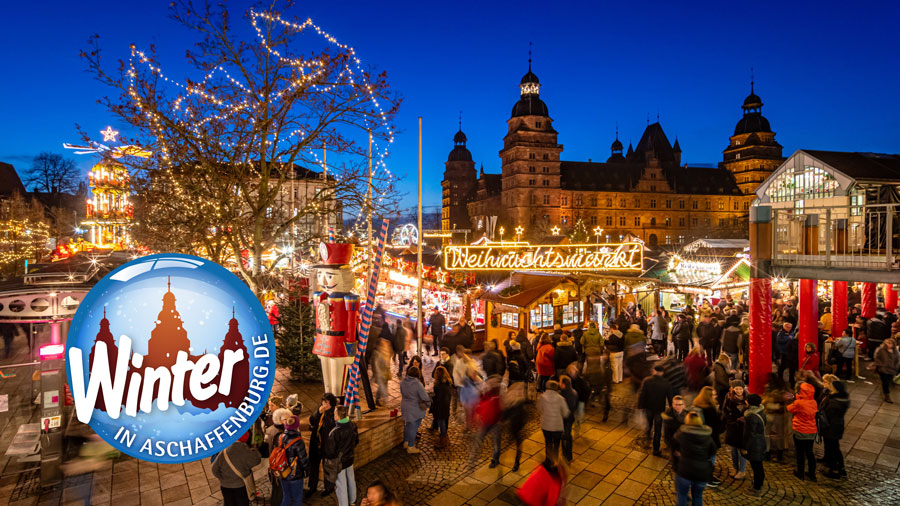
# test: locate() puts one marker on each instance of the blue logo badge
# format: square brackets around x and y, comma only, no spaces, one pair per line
[170,358]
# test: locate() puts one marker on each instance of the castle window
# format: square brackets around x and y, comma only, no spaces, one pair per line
[546,156]
[609,221]
[652,222]
[737,156]
[680,222]
[564,201]
[621,202]
[547,217]
[608,202]
[546,182]
[537,124]
[653,187]
[531,156]
[668,239]
[533,219]
[668,204]
[621,221]
[668,222]
[531,168]
[680,204]
[723,222]
[746,205]
[546,199]
[708,222]
[593,220]
[721,205]
[531,182]
[737,205]
[578,201]
[546,170]
[708,205]
[534,199]
[652,203]
[637,203]
[694,204]
[653,175]
[694,221]
[680,239]
[593,201]
[565,220]
[637,221]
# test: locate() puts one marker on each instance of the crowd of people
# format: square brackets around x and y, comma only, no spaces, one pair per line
[686,375]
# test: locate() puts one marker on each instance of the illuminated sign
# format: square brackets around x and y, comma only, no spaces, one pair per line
[550,258]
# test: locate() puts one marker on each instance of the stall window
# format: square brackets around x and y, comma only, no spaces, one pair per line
[572,312]
[542,316]
[510,319]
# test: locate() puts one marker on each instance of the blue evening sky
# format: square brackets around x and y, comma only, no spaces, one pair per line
[827,71]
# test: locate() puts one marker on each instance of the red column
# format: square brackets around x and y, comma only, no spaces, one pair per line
[869,299]
[760,333]
[890,298]
[839,308]
[808,316]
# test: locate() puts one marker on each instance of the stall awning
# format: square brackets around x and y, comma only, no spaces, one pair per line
[531,287]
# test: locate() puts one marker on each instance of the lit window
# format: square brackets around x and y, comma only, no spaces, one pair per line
[509,319]
[668,239]
[572,312]
[542,316]
[565,220]
[721,205]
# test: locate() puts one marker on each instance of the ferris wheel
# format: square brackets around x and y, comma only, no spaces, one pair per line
[409,235]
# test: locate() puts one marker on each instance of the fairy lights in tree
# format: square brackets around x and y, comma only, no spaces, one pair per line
[225,147]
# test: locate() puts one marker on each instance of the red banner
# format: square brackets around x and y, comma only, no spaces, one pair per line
[807,317]
[869,300]
[838,308]
[890,298]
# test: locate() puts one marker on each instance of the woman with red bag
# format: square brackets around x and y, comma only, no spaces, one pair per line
[545,485]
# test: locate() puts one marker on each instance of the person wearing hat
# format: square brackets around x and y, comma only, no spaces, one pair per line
[755,439]
[273,432]
[298,463]
[653,397]
[732,412]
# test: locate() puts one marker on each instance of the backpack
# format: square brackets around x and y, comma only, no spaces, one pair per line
[278,460]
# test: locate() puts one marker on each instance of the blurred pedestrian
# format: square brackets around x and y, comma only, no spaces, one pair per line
[414,404]
[755,439]
[553,410]
[545,486]
[775,398]
[706,405]
[887,364]
[440,406]
[513,404]
[378,494]
[381,370]
[571,397]
[545,364]
[615,343]
[654,395]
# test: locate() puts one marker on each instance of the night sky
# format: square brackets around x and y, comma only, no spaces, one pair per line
[828,75]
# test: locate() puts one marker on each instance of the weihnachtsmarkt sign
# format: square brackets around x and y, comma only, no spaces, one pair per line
[520,256]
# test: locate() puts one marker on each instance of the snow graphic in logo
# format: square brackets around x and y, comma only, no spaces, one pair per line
[170,358]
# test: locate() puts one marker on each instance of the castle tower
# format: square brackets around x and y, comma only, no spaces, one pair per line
[168,337]
[112,351]
[530,160]
[752,153]
[459,185]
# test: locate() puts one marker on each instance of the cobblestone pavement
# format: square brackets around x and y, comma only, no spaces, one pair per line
[611,466]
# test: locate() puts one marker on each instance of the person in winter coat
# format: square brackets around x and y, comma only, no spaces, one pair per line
[488,416]
[272,433]
[546,367]
[722,377]
[470,392]
[634,337]
[516,363]
[672,420]
[887,363]
[710,337]
[436,325]
[321,422]
[339,455]
[591,338]
[732,341]
[581,387]
[695,450]
[554,411]
[413,405]
[545,485]
[832,409]
[381,370]
[243,459]
[755,439]
[563,355]
[653,397]
[846,351]
[674,374]
[732,416]
[787,349]
[598,373]
[492,362]
[708,407]
[775,398]
[877,332]
[695,369]
[681,335]
[804,409]
[440,406]
[659,331]
[297,461]
[571,397]
[810,359]
[615,343]
[514,415]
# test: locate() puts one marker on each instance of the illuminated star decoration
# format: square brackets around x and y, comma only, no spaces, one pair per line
[554,230]
[109,135]
[519,230]
[598,231]
[502,230]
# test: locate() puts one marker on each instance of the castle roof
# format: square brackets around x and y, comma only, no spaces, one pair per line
[623,176]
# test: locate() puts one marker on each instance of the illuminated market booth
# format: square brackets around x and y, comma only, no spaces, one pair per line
[704,269]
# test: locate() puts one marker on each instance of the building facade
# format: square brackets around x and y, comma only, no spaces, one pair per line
[645,192]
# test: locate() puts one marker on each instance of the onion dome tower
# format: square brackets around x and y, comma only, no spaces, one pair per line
[459,185]
[752,153]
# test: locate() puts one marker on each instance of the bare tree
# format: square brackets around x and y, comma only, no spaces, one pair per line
[23,234]
[226,147]
[53,174]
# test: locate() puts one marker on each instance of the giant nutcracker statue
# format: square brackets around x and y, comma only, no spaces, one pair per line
[337,313]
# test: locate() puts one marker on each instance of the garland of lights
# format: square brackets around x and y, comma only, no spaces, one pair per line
[22,239]
[309,70]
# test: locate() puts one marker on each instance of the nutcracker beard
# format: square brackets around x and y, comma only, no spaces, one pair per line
[334,373]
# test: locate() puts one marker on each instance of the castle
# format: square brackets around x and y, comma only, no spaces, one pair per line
[644,192]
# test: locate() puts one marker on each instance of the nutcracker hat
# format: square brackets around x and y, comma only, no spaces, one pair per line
[334,254]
